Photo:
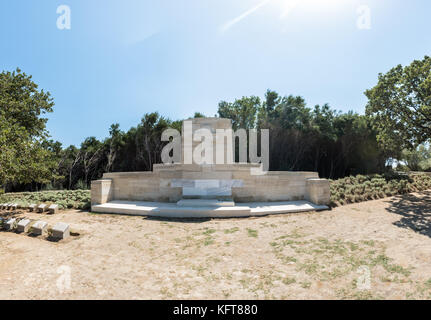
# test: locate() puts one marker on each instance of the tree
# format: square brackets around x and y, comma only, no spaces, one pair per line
[91,154]
[113,143]
[199,115]
[55,153]
[400,106]
[319,139]
[70,160]
[23,157]
[148,139]
[418,159]
[242,112]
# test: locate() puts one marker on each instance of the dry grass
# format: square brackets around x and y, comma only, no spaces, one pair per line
[322,255]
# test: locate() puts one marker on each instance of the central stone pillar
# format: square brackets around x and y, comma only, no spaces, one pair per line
[207,184]
[211,124]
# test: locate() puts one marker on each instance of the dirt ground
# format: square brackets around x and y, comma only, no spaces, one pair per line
[373,250]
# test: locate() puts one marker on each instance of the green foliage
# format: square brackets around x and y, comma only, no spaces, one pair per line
[418,159]
[303,139]
[199,115]
[135,150]
[361,188]
[400,105]
[29,161]
[242,112]
[24,156]
[67,199]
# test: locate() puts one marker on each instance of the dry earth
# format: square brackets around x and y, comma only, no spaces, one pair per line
[321,255]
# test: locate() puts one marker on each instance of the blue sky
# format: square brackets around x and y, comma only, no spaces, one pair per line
[121,59]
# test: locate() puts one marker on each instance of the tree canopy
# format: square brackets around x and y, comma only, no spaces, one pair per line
[309,139]
[302,138]
[400,105]
[24,157]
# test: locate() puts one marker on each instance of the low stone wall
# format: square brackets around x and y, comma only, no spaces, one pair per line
[273,186]
[156,186]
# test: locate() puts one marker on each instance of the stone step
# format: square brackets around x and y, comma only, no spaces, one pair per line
[172,210]
[203,212]
[205,203]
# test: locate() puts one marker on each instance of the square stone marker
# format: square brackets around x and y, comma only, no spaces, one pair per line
[61,231]
[15,206]
[9,206]
[32,207]
[53,208]
[24,225]
[42,208]
[39,228]
[10,224]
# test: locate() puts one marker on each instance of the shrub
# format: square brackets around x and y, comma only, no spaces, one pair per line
[360,188]
[77,199]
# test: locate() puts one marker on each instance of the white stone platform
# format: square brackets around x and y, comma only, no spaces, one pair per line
[172,210]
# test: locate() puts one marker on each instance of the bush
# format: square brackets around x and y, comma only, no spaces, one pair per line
[81,185]
[360,188]
[76,199]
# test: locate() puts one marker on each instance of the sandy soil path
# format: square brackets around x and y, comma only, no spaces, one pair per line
[373,250]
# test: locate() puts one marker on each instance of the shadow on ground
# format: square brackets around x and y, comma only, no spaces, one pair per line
[6,214]
[179,220]
[415,212]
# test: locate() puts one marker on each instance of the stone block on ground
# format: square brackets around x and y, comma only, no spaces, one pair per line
[42,208]
[10,224]
[24,225]
[53,208]
[60,231]
[39,228]
[318,191]
[32,207]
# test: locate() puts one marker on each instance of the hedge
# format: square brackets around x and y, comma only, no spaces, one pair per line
[370,187]
[66,199]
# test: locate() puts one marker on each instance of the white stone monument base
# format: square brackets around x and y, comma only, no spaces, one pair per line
[173,210]
[190,189]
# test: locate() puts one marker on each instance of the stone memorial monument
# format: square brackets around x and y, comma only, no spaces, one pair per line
[187,189]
